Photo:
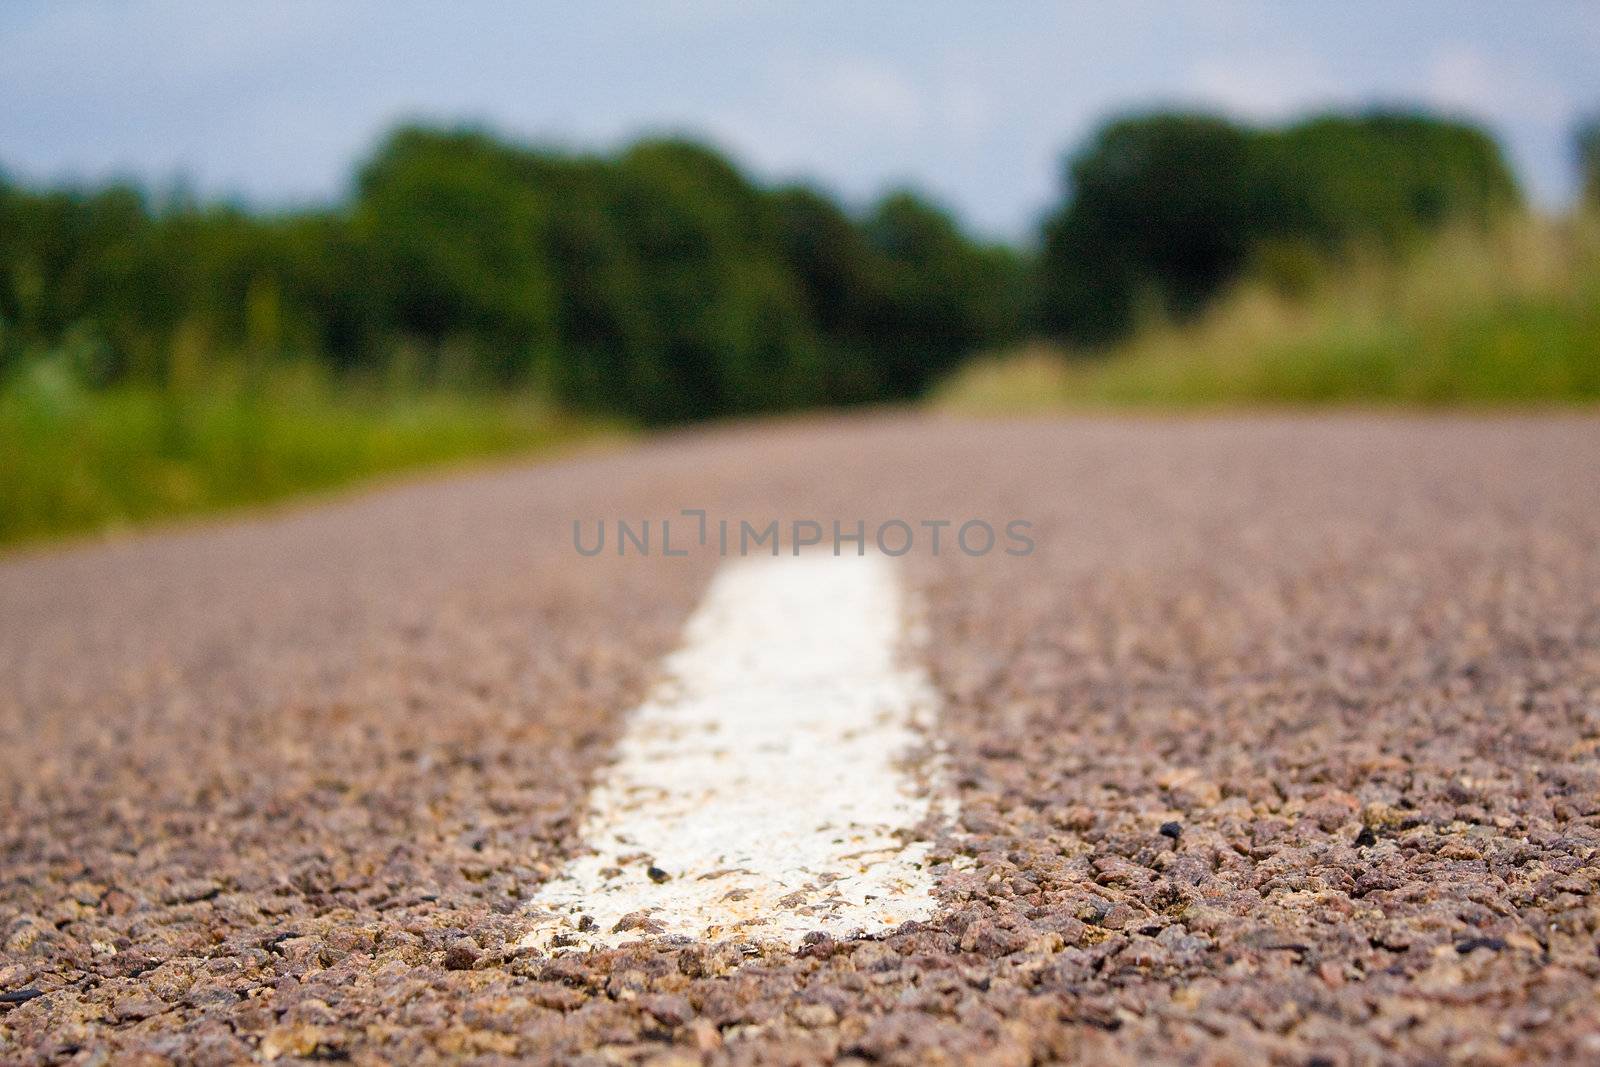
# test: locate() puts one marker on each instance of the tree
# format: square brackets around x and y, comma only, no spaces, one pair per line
[1385,176]
[1586,142]
[1168,209]
[457,231]
[1162,207]
[939,295]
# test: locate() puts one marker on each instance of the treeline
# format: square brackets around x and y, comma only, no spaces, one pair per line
[1164,211]
[662,284]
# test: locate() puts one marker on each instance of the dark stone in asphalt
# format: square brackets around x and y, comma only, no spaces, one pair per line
[460,957]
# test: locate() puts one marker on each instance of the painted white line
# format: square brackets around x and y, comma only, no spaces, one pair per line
[767,788]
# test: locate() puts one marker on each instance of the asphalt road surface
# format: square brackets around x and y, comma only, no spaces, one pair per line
[1283,745]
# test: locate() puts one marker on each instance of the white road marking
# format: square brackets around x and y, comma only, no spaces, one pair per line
[773,783]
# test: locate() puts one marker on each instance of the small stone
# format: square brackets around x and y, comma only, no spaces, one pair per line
[1143,953]
[657,875]
[815,1016]
[1332,809]
[1076,817]
[1366,838]
[637,920]
[134,1008]
[706,1037]
[991,941]
[460,957]
[1171,829]
[558,998]
[192,891]
[294,1040]
[116,902]
[668,1009]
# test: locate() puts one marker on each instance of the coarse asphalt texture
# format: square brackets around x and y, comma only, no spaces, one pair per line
[1282,747]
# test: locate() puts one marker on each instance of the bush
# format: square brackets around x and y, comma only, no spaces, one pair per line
[1507,316]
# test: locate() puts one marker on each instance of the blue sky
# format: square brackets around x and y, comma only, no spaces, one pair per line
[974,102]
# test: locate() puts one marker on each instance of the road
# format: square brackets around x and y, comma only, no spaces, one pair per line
[1281,745]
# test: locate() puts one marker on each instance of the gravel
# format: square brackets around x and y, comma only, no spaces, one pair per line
[1282,747]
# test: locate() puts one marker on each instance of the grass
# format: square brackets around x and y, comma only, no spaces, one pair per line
[1509,319]
[77,460]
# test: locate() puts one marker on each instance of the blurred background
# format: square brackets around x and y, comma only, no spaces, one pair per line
[248,251]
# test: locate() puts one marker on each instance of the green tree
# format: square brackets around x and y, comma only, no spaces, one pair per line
[1162,208]
[1167,209]
[939,296]
[457,231]
[1586,142]
[722,307]
[1386,176]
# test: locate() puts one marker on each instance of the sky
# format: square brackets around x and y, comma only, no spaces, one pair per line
[973,103]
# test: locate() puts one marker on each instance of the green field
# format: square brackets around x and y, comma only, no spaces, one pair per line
[79,460]
[1509,319]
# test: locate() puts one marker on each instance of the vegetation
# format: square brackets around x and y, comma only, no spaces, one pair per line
[472,295]
[77,459]
[1511,316]
[660,285]
[1164,211]
[1586,145]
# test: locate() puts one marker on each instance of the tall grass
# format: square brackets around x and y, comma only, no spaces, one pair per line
[1509,318]
[75,458]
